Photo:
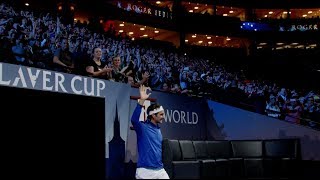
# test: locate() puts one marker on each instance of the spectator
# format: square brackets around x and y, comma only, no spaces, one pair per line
[293,111]
[30,40]
[117,73]
[272,109]
[96,67]
[19,52]
[63,58]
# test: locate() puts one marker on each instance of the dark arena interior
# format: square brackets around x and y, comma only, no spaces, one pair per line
[237,81]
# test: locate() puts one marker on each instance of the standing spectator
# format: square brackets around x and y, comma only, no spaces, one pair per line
[272,109]
[18,51]
[96,67]
[293,111]
[63,58]
[117,73]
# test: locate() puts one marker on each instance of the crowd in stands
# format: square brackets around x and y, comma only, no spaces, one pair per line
[42,41]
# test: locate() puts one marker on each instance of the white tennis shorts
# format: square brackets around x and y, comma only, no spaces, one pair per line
[143,173]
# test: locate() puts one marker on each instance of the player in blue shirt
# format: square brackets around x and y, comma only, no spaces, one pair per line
[149,139]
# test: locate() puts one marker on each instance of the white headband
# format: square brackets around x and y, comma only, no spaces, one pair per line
[156,110]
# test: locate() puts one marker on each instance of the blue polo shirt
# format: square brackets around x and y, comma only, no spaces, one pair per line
[149,140]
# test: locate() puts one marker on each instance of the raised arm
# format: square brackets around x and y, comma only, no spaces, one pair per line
[143,94]
[136,114]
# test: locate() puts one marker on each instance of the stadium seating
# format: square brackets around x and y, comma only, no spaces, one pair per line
[276,158]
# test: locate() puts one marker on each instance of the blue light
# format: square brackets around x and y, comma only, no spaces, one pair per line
[255,26]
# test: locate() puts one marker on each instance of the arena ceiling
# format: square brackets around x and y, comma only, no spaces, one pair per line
[92,4]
